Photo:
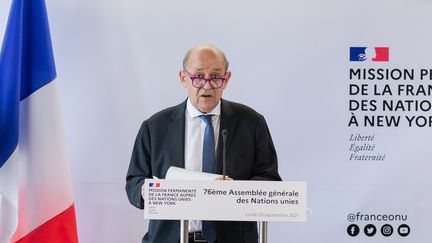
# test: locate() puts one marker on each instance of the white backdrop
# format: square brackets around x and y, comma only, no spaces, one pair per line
[117,63]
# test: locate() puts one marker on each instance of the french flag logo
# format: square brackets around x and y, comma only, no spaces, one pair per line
[376,54]
[157,184]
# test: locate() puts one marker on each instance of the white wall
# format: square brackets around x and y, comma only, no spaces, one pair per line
[117,63]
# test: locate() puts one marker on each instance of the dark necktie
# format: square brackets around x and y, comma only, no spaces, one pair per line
[208,158]
[208,162]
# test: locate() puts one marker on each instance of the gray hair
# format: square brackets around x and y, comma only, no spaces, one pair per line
[209,47]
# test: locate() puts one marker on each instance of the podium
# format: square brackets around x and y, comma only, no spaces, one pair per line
[260,201]
[184,231]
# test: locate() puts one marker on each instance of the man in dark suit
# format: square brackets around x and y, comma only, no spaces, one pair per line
[178,136]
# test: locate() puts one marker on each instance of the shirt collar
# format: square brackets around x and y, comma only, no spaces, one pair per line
[194,112]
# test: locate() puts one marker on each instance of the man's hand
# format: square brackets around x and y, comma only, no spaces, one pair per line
[142,190]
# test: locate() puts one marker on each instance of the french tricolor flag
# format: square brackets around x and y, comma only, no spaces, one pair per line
[36,203]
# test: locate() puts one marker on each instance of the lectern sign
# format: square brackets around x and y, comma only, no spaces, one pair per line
[225,200]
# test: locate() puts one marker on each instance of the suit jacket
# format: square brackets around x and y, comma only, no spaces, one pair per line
[160,144]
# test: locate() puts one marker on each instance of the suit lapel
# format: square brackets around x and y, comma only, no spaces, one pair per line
[176,136]
[228,122]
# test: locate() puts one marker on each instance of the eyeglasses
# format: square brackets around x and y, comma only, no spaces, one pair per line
[199,81]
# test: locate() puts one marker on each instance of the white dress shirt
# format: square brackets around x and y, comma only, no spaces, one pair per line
[194,138]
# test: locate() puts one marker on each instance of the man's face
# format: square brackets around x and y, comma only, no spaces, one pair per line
[209,64]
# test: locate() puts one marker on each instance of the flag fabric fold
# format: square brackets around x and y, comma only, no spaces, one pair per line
[36,203]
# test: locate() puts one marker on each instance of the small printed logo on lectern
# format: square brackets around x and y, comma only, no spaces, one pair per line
[157,184]
[375,54]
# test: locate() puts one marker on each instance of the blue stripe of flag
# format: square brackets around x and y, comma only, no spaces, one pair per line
[26,64]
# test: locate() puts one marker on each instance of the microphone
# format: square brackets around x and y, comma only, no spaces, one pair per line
[224,138]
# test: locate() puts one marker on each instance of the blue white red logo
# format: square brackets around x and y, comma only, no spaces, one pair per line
[157,184]
[375,54]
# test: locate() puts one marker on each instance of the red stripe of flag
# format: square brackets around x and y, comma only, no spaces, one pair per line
[60,229]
